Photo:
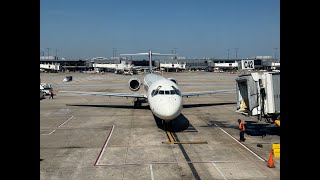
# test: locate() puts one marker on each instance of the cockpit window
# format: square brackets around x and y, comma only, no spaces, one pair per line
[165,92]
[155,92]
[176,90]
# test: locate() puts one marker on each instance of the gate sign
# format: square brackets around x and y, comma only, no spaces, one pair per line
[247,64]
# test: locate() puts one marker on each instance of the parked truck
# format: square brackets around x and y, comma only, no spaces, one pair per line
[46,88]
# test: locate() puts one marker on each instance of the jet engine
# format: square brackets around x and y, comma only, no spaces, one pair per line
[134,84]
[173,80]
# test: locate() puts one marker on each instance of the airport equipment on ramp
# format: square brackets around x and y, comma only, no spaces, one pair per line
[259,94]
[46,88]
[67,79]
[51,67]
[276,150]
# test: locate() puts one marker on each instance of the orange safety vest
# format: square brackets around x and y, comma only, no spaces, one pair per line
[241,126]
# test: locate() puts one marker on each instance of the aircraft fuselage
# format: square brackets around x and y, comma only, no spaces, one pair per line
[164,97]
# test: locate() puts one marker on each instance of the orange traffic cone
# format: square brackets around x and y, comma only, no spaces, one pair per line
[270,161]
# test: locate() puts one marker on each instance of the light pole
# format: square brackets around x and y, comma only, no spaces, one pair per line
[275,53]
[48,52]
[236,52]
[113,52]
[175,52]
[41,52]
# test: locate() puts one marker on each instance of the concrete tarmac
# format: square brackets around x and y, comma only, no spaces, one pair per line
[98,137]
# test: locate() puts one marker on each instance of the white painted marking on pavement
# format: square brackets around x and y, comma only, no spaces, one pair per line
[151,172]
[219,171]
[105,145]
[65,121]
[240,143]
[49,133]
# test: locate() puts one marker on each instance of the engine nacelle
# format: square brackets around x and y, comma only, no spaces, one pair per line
[173,80]
[134,84]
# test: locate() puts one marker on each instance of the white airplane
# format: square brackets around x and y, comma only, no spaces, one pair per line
[162,94]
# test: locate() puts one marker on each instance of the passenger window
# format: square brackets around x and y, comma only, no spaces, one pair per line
[167,92]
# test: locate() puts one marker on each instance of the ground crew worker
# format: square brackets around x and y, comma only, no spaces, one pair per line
[51,94]
[242,129]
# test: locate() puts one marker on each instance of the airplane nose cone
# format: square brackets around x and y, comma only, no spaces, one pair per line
[168,112]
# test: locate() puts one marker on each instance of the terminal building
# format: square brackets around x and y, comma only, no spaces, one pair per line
[62,64]
[55,64]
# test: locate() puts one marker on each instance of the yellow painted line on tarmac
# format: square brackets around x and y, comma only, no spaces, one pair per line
[183,142]
[170,137]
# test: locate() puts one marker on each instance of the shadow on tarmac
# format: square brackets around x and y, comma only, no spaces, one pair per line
[110,106]
[179,124]
[206,104]
[147,106]
[254,128]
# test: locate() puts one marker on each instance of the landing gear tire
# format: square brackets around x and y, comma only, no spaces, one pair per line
[167,125]
[137,104]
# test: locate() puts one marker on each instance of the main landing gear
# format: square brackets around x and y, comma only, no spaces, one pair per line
[138,101]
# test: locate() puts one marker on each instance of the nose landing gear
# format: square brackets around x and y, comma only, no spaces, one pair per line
[167,125]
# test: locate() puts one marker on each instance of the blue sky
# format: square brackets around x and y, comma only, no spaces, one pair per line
[196,28]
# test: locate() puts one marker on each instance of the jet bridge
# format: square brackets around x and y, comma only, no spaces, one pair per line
[50,67]
[258,94]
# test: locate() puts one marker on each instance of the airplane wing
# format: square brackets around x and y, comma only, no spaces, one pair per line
[187,94]
[133,95]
